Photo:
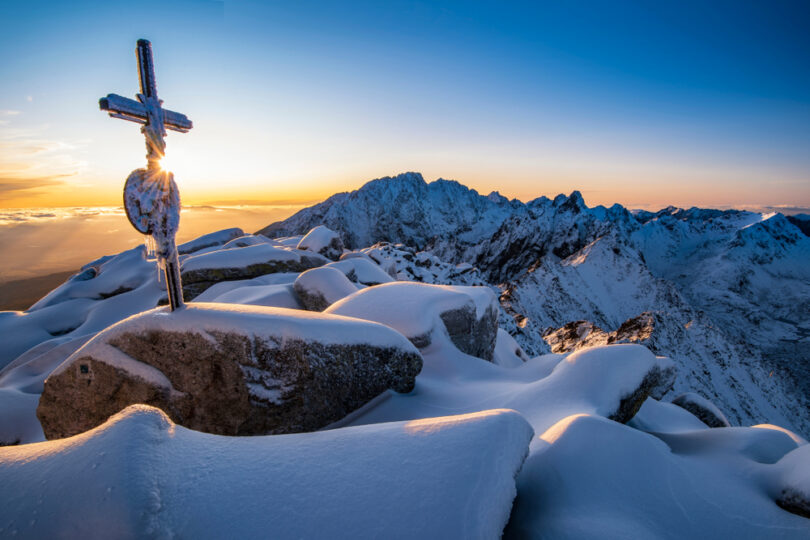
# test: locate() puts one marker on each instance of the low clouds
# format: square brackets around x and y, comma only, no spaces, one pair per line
[19,216]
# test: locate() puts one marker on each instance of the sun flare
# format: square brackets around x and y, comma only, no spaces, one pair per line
[166,164]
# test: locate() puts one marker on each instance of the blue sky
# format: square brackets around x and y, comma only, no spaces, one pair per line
[642,103]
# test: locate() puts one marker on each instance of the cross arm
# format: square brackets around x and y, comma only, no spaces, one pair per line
[134,111]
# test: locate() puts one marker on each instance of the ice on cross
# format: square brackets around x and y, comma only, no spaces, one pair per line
[151,197]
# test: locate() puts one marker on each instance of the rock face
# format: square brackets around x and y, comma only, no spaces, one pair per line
[229,370]
[319,288]
[202,271]
[578,334]
[323,241]
[705,410]
[469,315]
[657,381]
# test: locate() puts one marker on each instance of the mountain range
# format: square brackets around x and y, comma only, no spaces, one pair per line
[726,294]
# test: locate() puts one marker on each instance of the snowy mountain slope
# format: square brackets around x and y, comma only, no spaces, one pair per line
[739,280]
[607,283]
[750,273]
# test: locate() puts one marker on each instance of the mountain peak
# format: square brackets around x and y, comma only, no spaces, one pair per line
[497,198]
[573,202]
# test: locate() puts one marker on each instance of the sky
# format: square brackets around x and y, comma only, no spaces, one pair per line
[642,103]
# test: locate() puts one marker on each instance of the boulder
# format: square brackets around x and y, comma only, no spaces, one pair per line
[574,336]
[324,241]
[467,315]
[248,240]
[230,370]
[362,270]
[210,240]
[507,351]
[657,381]
[282,295]
[791,485]
[705,410]
[318,288]
[202,271]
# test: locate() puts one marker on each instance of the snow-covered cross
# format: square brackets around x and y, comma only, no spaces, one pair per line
[151,197]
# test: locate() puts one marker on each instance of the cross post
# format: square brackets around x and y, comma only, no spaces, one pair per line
[151,197]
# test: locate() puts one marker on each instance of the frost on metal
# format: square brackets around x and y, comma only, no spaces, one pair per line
[151,197]
[152,203]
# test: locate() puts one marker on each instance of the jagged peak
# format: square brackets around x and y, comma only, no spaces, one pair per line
[497,198]
[573,202]
[576,197]
[455,185]
[560,199]
[539,201]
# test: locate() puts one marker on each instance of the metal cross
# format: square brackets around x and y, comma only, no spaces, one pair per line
[151,197]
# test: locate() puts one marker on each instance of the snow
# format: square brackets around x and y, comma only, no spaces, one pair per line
[507,351]
[282,296]
[410,308]
[703,403]
[144,476]
[364,270]
[213,293]
[217,238]
[201,318]
[589,477]
[328,283]
[122,285]
[317,239]
[792,474]
[28,372]
[18,422]
[661,417]
[255,254]
[248,240]
[591,381]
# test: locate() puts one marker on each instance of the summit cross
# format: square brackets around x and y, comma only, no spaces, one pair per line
[151,197]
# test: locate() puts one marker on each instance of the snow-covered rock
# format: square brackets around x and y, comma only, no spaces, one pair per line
[217,238]
[319,288]
[323,241]
[281,295]
[591,478]
[705,410]
[610,381]
[199,272]
[235,370]
[140,476]
[793,481]
[507,351]
[662,417]
[362,270]
[468,315]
